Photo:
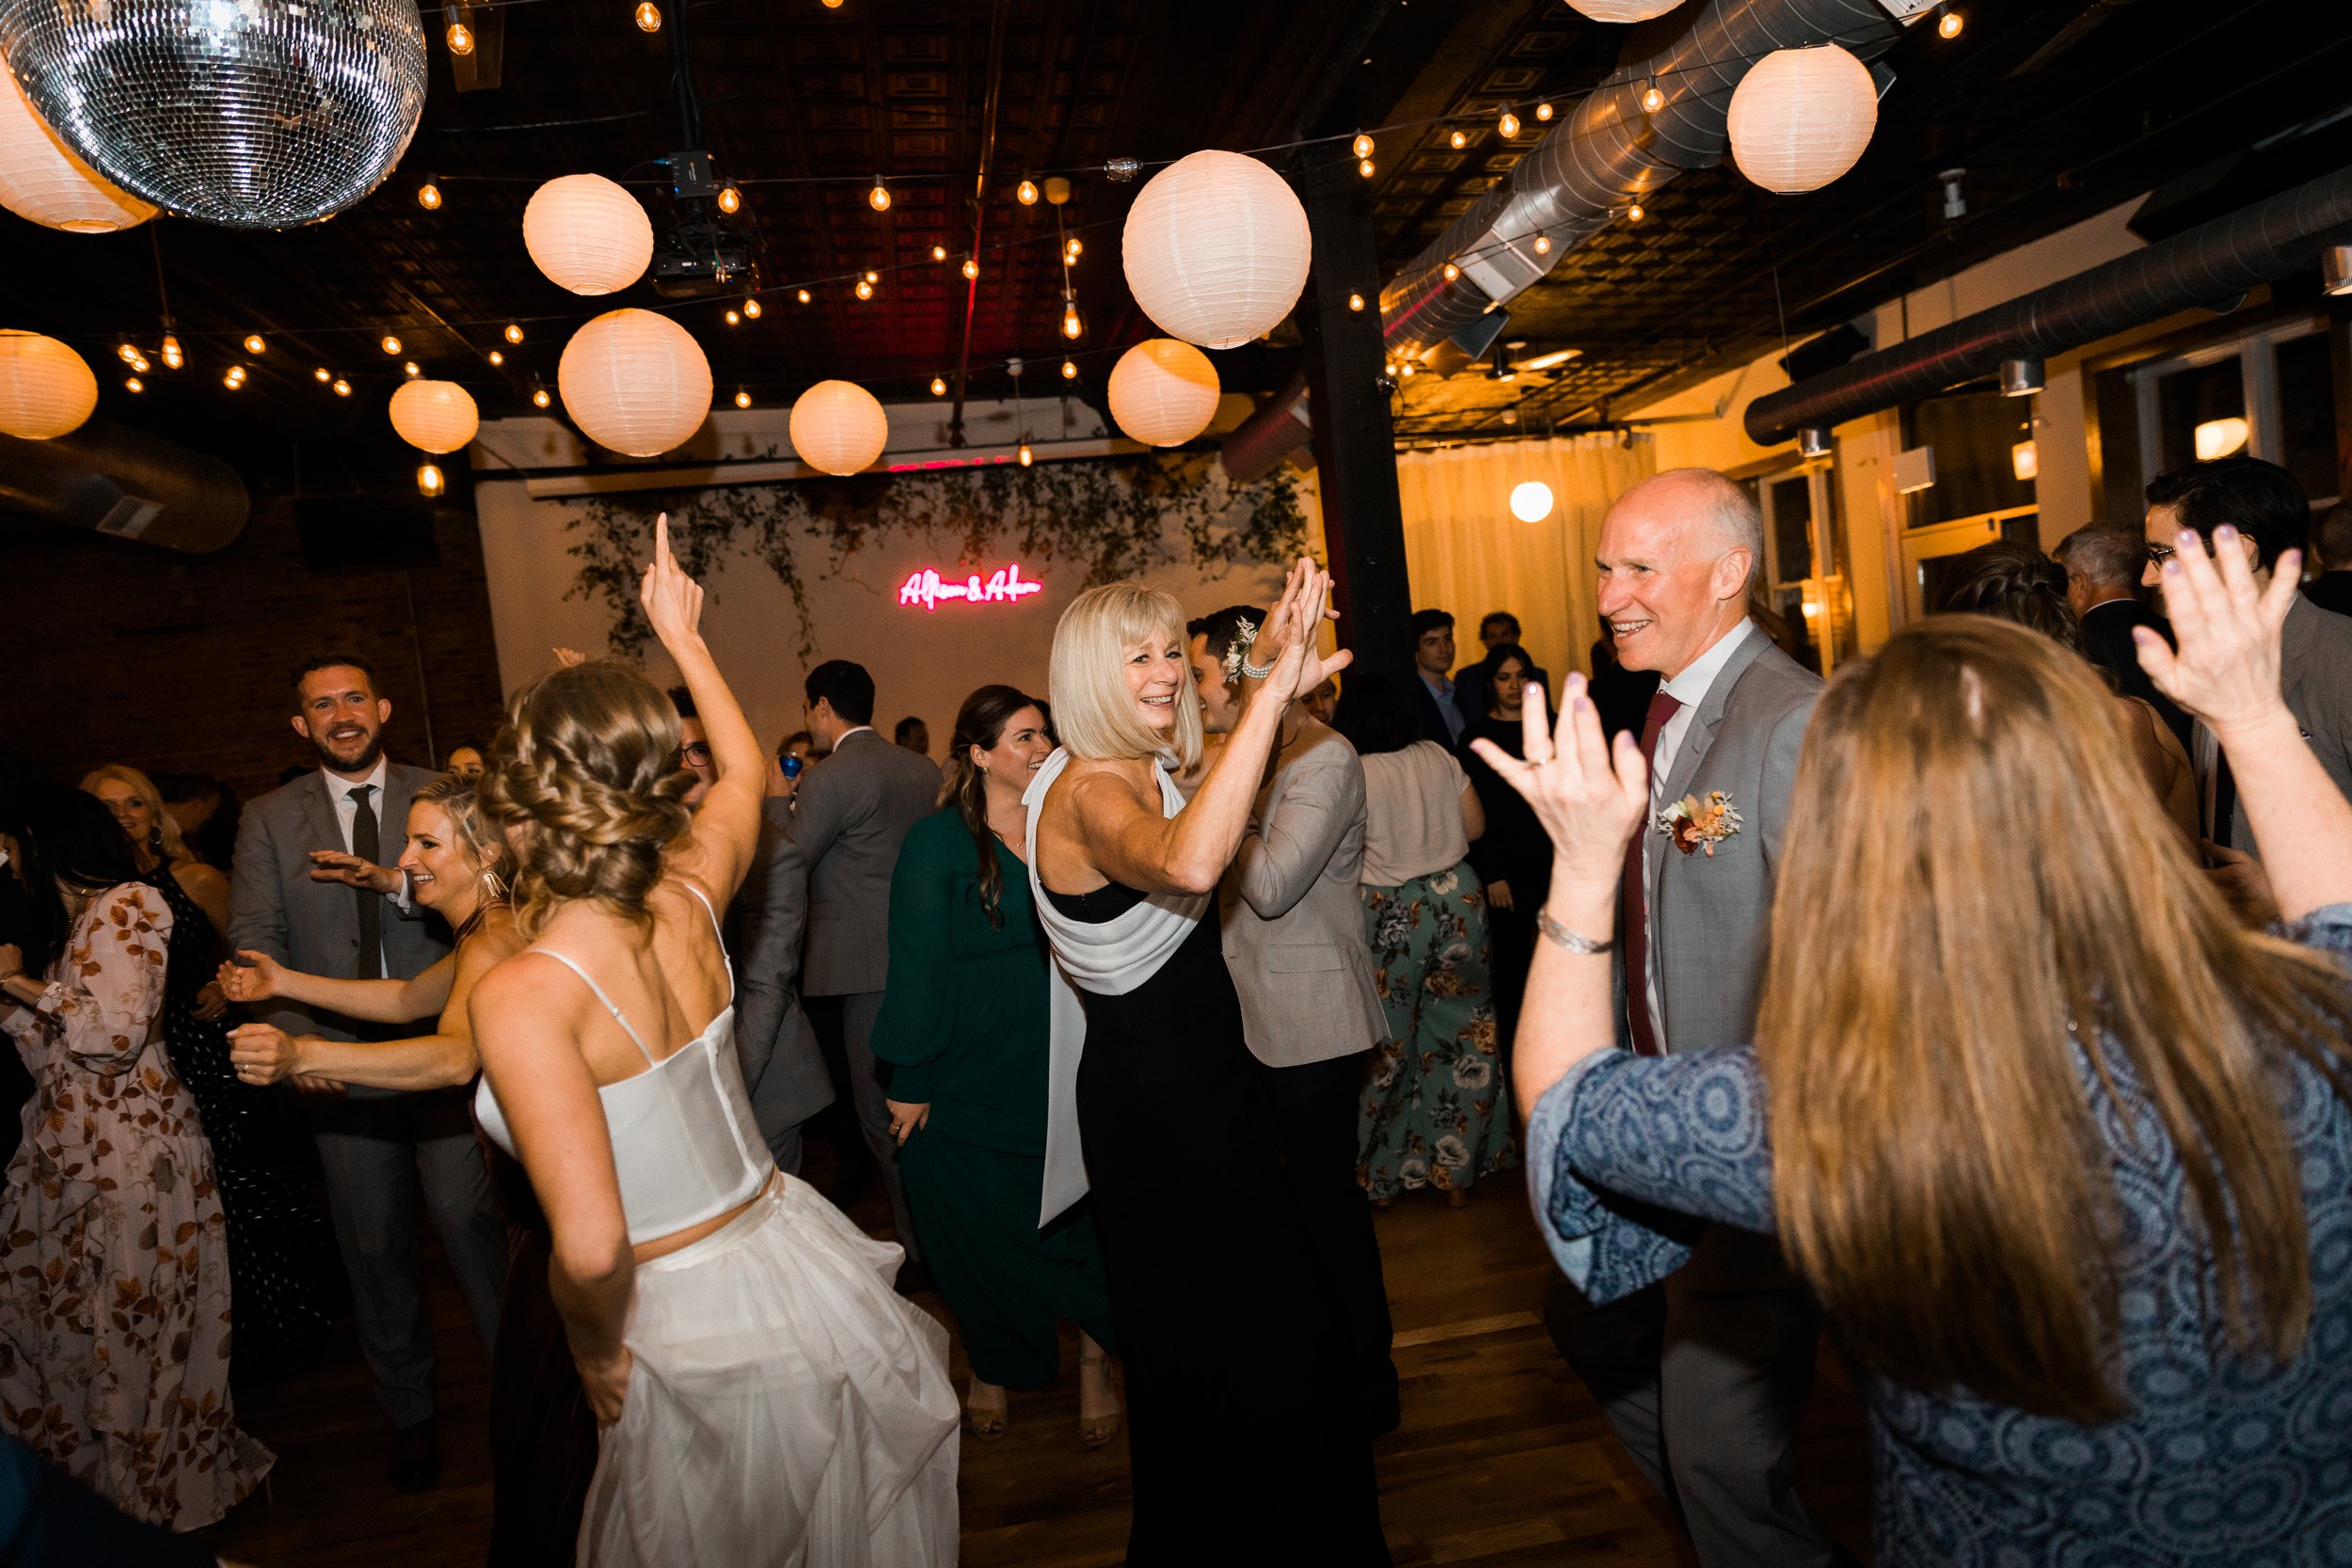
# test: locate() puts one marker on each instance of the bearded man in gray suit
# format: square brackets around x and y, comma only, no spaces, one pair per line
[850,815]
[310,885]
[1705,1375]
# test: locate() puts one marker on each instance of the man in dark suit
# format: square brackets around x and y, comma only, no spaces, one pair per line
[1431,632]
[310,886]
[851,813]
[2103,572]
[2331,552]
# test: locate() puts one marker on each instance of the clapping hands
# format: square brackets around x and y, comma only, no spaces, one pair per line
[1591,800]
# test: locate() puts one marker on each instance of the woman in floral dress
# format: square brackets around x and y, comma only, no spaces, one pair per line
[1435,1108]
[114,1258]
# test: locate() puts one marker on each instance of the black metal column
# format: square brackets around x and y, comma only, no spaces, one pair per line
[1355,443]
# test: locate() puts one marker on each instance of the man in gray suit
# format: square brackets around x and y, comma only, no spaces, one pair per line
[309,857]
[2266,509]
[1294,934]
[851,813]
[784,1067]
[1705,1375]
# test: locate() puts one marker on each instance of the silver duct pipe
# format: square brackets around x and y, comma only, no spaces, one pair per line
[108,479]
[1607,153]
[2205,266]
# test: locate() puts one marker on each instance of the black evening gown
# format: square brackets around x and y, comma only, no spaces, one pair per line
[1246,1433]
[542,1431]
[282,1260]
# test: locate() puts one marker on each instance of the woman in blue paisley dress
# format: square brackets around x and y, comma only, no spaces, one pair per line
[1436,1110]
[2067,1154]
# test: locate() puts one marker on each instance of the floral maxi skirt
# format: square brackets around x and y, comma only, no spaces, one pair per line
[1436,1110]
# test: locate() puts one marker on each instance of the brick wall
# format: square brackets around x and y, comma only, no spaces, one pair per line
[117,652]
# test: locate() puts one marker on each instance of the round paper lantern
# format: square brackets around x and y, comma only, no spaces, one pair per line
[1163,393]
[838,427]
[588,234]
[1623,10]
[41,179]
[1215,248]
[435,416]
[1801,117]
[248,116]
[45,388]
[1531,502]
[635,381]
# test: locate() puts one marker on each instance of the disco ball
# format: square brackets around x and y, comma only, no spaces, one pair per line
[256,114]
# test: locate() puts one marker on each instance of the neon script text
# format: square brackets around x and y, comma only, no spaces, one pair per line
[1006,586]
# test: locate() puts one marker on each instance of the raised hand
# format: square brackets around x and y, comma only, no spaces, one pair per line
[253,979]
[1590,801]
[672,600]
[1276,631]
[2226,671]
[1299,669]
[567,657]
[333,865]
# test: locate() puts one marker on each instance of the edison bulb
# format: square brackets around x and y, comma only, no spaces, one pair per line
[1362,145]
[323,377]
[460,38]
[232,382]
[539,398]
[1070,325]
[1543,244]
[173,358]
[391,344]
[734,317]
[1949,25]
[649,17]
[429,480]
[513,333]
[939,386]
[498,357]
[1026,193]
[1363,166]
[1634,213]
[873,278]
[253,344]
[802,296]
[1508,125]
[1457,141]
[865,290]
[730,199]
[1025,455]
[1542,111]
[126,352]
[939,253]
[878,198]
[750,309]
[1451,272]
[411,370]
[429,197]
[133,384]
[1354,302]
[140,364]
[742,399]
[971,268]
[1653,100]
[1070,370]
[1073,250]
[342,388]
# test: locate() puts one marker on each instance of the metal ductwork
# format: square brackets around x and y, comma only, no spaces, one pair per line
[2207,265]
[108,479]
[1607,153]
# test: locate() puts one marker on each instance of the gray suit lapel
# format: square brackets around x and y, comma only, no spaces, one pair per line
[1699,741]
[318,811]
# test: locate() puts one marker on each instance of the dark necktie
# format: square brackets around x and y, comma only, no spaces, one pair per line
[1633,903]
[367,846]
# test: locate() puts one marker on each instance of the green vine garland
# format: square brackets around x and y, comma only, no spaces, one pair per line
[1112,516]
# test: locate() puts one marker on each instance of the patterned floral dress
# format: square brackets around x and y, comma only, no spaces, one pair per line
[1436,1110]
[114,1258]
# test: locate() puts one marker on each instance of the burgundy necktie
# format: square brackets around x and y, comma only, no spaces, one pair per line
[1632,903]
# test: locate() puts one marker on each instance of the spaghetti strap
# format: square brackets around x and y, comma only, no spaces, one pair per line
[617,1015]
[718,932]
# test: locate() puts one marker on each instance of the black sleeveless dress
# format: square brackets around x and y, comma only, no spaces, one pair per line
[1244,1428]
[280,1245]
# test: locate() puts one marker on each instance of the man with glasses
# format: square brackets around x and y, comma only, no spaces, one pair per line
[694,746]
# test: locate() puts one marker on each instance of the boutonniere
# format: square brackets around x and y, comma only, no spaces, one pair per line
[1698,822]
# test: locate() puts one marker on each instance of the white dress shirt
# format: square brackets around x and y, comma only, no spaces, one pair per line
[1690,688]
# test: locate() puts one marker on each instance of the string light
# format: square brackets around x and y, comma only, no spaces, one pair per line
[939,386]
[1406,370]
[323,374]
[971,268]
[878,198]
[429,197]
[873,278]
[513,333]
[649,17]
[253,344]
[1073,249]
[429,480]
[1652,99]
[125,352]
[234,378]
[1950,23]
[865,290]
[802,296]
[140,364]
[1363,168]
[1543,244]
[1634,213]
[411,370]
[133,384]
[1451,272]
[1070,370]
[1362,145]
[1542,111]
[498,357]
[734,318]
[1026,193]
[460,38]
[730,199]
[539,398]
[1025,455]
[751,308]
[742,399]
[390,345]
[939,253]
[1508,125]
[1072,326]
[342,388]
[1354,302]
[173,358]
[1457,141]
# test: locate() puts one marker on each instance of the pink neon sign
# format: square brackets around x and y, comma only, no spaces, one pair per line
[1004,586]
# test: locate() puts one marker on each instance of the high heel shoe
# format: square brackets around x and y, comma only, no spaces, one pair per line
[1096,1430]
[989,1425]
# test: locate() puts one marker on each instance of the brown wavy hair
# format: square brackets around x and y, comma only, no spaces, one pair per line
[1978,892]
[2012,582]
[584,780]
[981,721]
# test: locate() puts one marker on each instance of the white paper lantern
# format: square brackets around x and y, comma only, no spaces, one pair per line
[1801,117]
[435,416]
[1163,393]
[635,381]
[1531,502]
[588,234]
[838,427]
[41,181]
[45,388]
[1217,248]
[1623,10]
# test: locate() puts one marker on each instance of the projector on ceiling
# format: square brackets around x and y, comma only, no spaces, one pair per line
[705,254]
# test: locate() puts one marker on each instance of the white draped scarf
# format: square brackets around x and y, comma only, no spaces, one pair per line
[1110,959]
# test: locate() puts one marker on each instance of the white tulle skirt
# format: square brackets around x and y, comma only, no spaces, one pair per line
[787,1407]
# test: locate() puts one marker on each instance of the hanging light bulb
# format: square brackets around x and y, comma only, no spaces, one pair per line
[498,357]
[1508,125]
[1634,213]
[1354,302]
[1652,99]
[730,199]
[1406,370]
[1950,23]
[390,345]
[1025,455]
[878,198]
[1363,168]
[1542,111]
[173,358]
[865,290]
[1457,141]
[742,399]
[873,278]
[1072,250]
[939,253]
[1070,370]
[513,333]
[126,352]
[1026,193]
[751,308]
[1072,326]
[233,381]
[133,384]
[411,370]
[939,386]
[971,267]
[140,364]
[734,317]
[1362,145]
[1543,244]
[322,375]
[429,480]
[429,197]
[539,398]
[460,38]
[1451,272]
[802,296]
[253,344]
[649,17]
[342,388]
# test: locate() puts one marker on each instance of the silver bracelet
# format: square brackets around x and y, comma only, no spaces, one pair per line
[1568,938]
[1251,673]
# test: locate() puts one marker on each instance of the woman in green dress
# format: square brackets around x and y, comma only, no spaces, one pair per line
[963,1023]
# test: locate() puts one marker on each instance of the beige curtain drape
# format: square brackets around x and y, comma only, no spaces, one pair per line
[1465,553]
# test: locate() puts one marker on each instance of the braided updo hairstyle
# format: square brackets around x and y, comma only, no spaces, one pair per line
[2016,582]
[585,780]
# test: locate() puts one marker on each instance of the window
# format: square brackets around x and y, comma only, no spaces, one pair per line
[1801,585]
[1974,436]
[2269,394]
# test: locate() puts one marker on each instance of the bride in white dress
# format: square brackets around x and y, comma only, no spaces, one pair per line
[763,1395]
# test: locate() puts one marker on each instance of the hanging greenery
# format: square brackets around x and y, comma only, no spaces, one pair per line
[1113,517]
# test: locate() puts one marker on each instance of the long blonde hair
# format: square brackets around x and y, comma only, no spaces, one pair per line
[1977,892]
[174,849]
[1093,711]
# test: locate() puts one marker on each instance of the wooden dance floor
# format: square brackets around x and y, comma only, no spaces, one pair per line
[1502,1458]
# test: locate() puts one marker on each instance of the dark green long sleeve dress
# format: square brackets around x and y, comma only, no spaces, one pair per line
[963,1023]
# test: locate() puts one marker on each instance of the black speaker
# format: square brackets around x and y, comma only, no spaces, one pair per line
[342,533]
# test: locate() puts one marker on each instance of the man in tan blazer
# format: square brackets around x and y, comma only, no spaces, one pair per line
[1294,932]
